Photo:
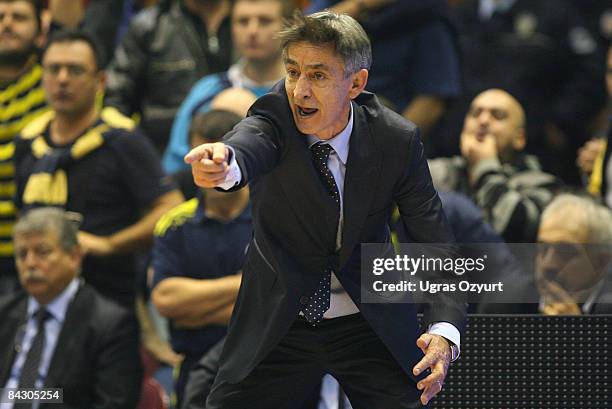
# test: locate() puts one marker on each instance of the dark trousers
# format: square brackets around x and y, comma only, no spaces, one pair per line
[345,347]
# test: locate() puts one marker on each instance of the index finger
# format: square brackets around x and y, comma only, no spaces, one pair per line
[217,152]
[198,153]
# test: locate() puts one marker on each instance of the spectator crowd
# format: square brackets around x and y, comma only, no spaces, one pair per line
[118,275]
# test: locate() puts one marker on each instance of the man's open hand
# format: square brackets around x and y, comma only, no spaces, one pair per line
[209,164]
[437,358]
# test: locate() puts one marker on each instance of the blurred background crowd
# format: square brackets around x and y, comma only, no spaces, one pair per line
[114,264]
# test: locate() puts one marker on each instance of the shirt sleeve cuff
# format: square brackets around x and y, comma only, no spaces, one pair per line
[234,176]
[448,331]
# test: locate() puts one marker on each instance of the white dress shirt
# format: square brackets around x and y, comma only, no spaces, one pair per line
[25,336]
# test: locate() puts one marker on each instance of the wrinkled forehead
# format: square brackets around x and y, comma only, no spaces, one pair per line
[315,56]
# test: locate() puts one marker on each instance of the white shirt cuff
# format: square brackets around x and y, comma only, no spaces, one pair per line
[234,176]
[448,331]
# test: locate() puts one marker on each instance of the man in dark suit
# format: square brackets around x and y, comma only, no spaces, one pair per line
[573,265]
[325,161]
[60,333]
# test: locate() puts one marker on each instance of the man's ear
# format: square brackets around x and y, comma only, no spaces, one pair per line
[76,256]
[519,141]
[359,81]
[101,80]
[43,30]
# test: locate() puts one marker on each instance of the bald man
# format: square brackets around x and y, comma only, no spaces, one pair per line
[234,99]
[493,170]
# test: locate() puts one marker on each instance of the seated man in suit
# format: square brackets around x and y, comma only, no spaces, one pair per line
[572,265]
[325,162]
[59,333]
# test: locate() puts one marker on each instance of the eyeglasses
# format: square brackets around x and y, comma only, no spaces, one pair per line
[74,70]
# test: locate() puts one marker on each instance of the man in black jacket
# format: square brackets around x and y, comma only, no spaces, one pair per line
[325,161]
[166,49]
[60,333]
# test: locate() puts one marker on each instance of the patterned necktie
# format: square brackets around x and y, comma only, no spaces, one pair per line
[29,371]
[320,155]
[319,302]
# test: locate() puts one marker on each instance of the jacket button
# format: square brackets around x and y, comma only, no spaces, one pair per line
[304,299]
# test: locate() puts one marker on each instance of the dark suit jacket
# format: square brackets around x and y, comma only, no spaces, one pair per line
[96,359]
[295,222]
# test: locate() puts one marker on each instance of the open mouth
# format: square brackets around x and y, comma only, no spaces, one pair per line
[306,112]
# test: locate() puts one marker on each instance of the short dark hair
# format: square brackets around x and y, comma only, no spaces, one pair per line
[71,36]
[213,125]
[38,8]
[287,6]
[341,31]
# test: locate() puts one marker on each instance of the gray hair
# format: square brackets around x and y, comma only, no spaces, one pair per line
[595,218]
[51,219]
[341,31]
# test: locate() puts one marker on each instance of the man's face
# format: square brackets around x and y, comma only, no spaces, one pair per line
[254,26]
[563,256]
[318,90]
[495,114]
[70,78]
[44,267]
[19,32]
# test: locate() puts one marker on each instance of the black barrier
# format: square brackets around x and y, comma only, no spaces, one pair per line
[531,362]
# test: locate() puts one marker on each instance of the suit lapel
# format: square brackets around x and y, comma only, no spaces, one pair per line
[362,173]
[74,330]
[12,323]
[297,176]
[308,196]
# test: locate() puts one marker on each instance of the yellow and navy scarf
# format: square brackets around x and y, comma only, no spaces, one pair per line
[48,182]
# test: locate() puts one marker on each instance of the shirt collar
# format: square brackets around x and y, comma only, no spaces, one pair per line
[57,308]
[588,303]
[340,142]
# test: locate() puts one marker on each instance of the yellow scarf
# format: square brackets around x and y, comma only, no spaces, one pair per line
[48,182]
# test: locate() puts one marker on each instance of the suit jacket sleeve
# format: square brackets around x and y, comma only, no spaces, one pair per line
[424,222]
[258,140]
[118,371]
